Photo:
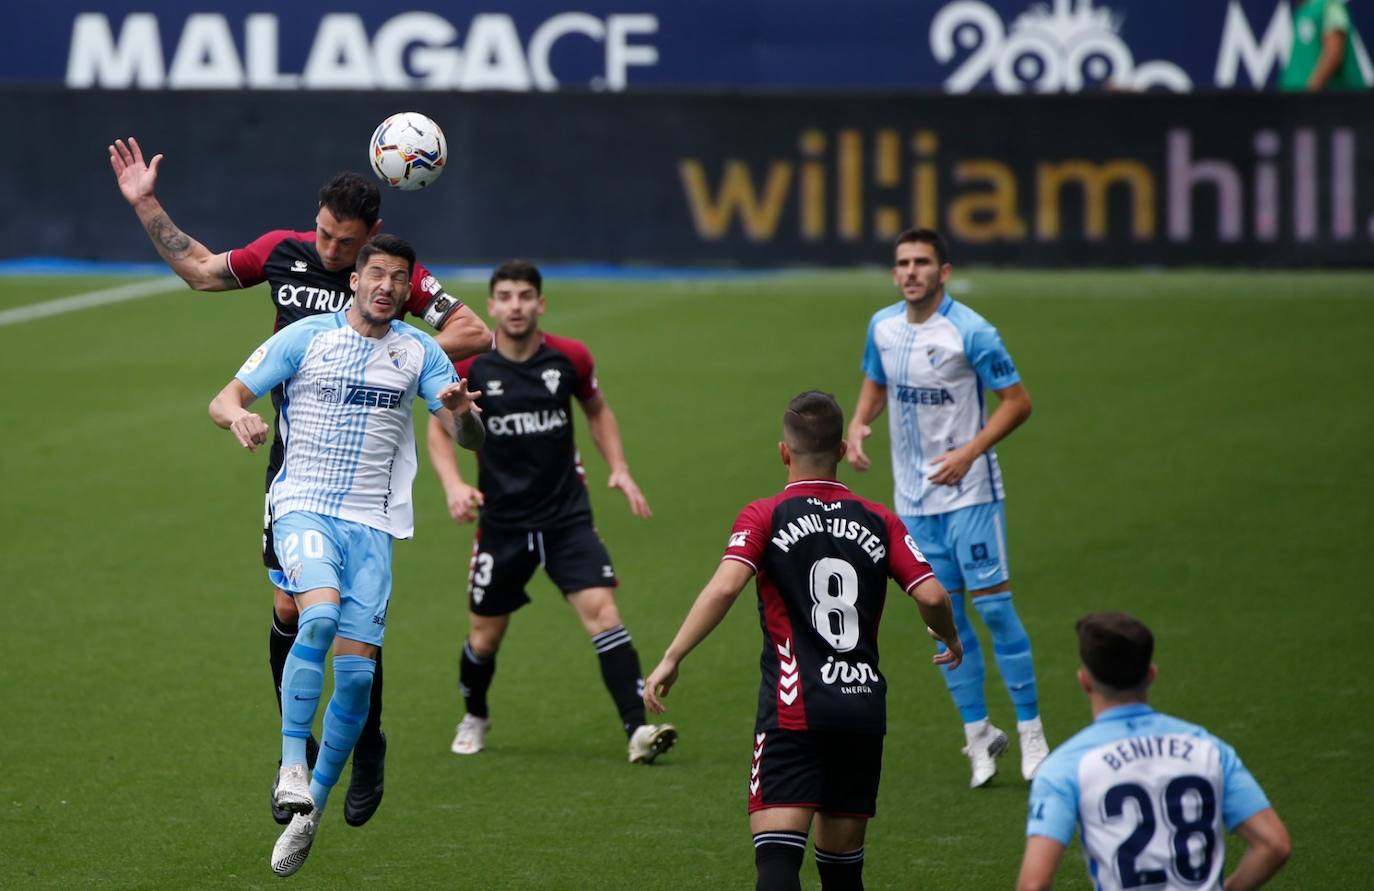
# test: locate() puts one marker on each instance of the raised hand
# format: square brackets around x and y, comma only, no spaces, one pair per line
[136,179]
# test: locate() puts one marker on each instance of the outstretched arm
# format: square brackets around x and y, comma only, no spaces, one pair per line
[710,607]
[1011,412]
[188,258]
[872,401]
[605,432]
[1268,850]
[229,410]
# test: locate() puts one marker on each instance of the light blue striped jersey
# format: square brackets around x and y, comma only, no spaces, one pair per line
[935,374]
[1154,795]
[346,419]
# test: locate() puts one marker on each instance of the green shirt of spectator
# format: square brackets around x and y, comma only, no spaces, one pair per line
[1323,56]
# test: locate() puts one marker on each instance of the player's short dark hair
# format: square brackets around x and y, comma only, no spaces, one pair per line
[517,271]
[352,196]
[1116,649]
[813,424]
[925,236]
[391,246]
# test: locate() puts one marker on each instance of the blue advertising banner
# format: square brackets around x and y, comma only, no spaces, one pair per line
[1008,46]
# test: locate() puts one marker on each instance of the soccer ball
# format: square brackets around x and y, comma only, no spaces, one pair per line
[408,151]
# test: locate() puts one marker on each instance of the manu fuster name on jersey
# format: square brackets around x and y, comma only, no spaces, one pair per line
[317,299]
[523,422]
[811,524]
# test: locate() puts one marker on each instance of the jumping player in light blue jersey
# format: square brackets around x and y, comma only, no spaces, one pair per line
[1154,795]
[341,496]
[931,361]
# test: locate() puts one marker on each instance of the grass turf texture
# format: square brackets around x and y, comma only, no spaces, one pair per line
[1197,456]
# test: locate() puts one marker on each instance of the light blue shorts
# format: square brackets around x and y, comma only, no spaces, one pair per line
[967,547]
[316,551]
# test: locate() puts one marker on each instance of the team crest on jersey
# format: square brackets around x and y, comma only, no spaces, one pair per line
[935,355]
[329,390]
[551,377]
[399,356]
[737,539]
[254,360]
[494,389]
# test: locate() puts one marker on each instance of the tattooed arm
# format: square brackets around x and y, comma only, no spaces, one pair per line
[188,258]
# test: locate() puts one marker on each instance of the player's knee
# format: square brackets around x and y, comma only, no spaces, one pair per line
[353,682]
[997,612]
[485,641]
[597,609]
[318,624]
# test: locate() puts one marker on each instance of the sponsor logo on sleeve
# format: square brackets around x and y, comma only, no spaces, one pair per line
[738,539]
[915,551]
[254,360]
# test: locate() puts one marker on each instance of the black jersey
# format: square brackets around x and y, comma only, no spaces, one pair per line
[823,556]
[301,286]
[528,470]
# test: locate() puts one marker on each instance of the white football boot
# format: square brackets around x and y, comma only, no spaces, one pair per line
[291,849]
[472,735]
[651,740]
[983,750]
[1034,748]
[293,790]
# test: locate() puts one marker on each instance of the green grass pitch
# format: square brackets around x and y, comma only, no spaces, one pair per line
[1199,455]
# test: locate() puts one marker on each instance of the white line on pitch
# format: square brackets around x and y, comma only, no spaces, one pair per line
[94,298]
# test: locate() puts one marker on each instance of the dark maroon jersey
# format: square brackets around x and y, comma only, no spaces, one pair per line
[300,285]
[528,470]
[823,556]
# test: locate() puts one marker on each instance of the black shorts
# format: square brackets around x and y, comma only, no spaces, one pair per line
[275,457]
[503,560]
[833,771]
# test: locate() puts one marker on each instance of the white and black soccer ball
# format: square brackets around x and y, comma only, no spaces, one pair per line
[408,151]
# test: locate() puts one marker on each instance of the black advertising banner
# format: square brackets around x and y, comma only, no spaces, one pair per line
[738,179]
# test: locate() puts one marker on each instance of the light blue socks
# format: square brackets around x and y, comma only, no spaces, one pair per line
[1011,647]
[302,678]
[343,722]
[966,682]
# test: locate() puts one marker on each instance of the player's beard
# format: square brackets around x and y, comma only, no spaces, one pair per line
[373,319]
[928,293]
